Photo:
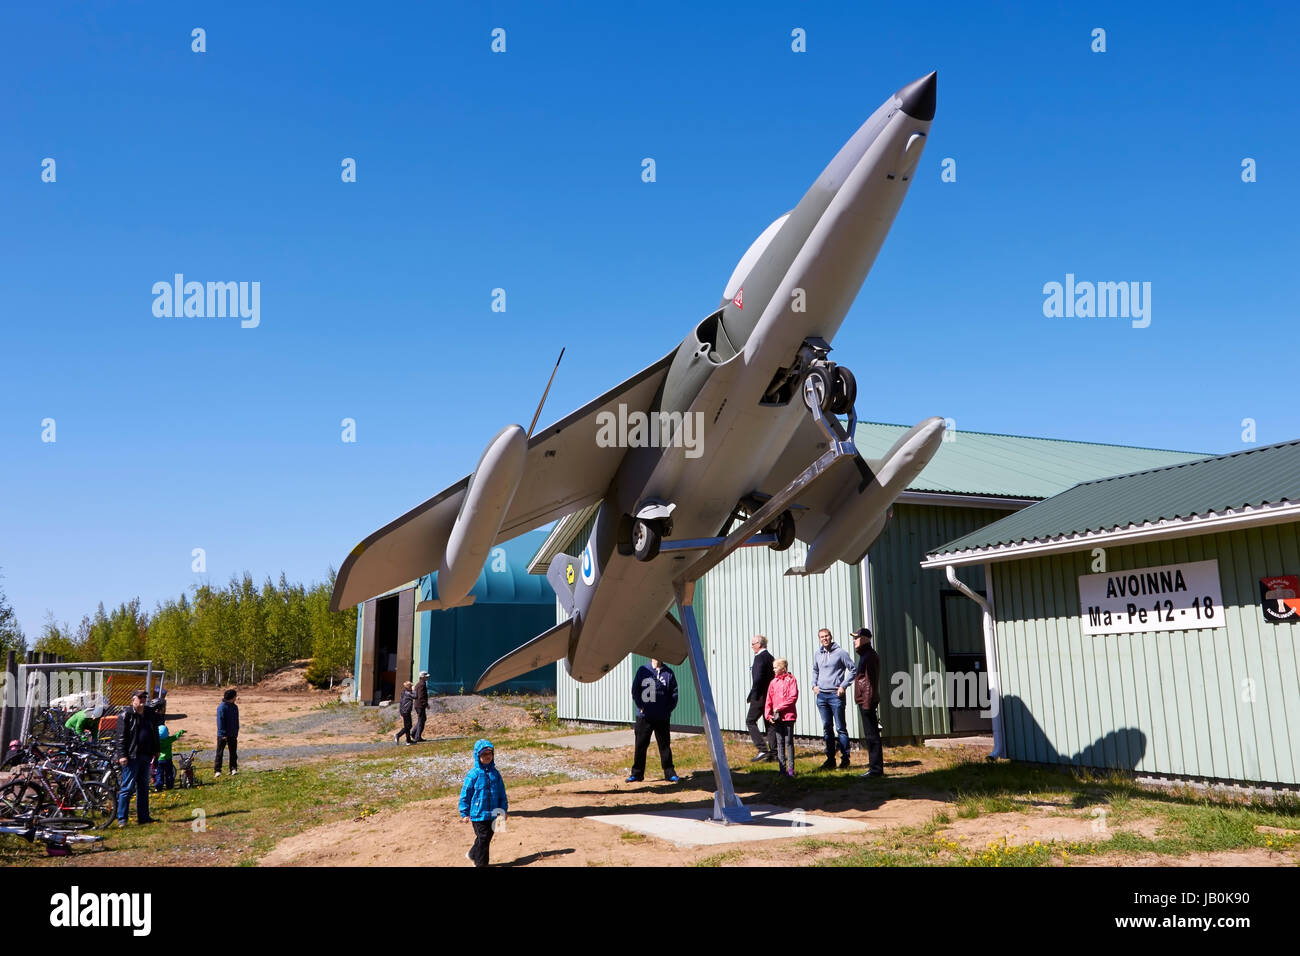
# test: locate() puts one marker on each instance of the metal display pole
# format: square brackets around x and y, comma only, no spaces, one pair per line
[727,807]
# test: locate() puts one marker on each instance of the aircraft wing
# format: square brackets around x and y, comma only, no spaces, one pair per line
[856,492]
[564,470]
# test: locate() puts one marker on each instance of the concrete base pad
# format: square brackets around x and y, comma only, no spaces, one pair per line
[952,743]
[609,739]
[694,828]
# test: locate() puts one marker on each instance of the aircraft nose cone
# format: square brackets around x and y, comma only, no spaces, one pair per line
[918,97]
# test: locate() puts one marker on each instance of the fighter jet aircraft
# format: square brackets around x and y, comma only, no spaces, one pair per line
[754,377]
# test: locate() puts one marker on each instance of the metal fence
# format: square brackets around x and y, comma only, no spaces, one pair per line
[43,680]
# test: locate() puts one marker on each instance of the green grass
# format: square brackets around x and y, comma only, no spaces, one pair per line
[719,859]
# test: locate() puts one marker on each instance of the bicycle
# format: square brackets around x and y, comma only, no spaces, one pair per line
[58,792]
[185,771]
[58,834]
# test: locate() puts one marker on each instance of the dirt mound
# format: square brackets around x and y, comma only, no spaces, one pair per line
[292,678]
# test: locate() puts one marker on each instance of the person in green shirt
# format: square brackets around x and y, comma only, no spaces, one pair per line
[164,773]
[82,724]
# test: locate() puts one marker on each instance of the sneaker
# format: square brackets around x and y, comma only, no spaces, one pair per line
[790,773]
[121,824]
[633,779]
[844,761]
[828,764]
[217,774]
[845,764]
[673,778]
[872,773]
[760,757]
[468,857]
[780,768]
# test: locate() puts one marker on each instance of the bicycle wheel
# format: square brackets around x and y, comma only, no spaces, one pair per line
[21,799]
[100,804]
[64,824]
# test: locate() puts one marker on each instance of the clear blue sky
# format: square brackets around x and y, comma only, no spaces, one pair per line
[522,170]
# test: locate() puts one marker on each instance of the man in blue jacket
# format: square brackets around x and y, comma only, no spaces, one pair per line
[832,673]
[654,692]
[227,731]
[483,800]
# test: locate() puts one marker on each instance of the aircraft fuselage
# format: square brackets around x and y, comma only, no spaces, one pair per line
[795,283]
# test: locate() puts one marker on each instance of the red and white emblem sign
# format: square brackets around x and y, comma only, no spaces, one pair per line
[1280,598]
[739,300]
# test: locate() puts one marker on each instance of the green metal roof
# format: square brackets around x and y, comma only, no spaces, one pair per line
[1256,478]
[1013,466]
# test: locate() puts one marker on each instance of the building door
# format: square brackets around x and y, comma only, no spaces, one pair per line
[385,671]
[965,680]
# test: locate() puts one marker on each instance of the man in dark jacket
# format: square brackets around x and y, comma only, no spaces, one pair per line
[405,705]
[654,692]
[227,731]
[137,745]
[760,673]
[421,704]
[866,693]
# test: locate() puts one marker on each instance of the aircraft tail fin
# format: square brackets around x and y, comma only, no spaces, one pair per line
[562,575]
[546,648]
[667,642]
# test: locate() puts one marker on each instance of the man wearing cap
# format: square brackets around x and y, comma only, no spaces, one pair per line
[137,745]
[866,694]
[421,705]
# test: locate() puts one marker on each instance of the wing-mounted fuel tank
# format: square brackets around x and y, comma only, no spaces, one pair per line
[487,499]
[859,517]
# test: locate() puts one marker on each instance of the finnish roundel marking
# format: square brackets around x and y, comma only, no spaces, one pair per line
[588,566]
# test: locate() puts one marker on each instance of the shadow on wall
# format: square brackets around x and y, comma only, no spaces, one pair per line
[1026,740]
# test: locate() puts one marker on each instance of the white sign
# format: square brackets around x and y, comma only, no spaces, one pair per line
[1174,597]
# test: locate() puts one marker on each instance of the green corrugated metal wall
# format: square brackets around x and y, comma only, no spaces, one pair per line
[748,595]
[906,605]
[1170,702]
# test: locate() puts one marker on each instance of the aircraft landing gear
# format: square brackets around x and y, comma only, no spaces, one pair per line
[783,528]
[832,387]
[647,536]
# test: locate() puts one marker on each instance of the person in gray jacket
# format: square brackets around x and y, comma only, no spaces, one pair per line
[832,673]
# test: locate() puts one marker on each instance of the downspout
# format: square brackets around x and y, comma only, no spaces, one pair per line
[990,656]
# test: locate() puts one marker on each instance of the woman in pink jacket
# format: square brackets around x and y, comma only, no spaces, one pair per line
[779,712]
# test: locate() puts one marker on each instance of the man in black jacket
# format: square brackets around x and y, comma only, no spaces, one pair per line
[137,744]
[866,693]
[654,694]
[760,676]
[421,705]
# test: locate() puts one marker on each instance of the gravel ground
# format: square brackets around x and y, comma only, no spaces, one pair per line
[450,769]
[299,751]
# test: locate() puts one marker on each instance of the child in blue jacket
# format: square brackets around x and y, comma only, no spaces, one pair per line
[482,800]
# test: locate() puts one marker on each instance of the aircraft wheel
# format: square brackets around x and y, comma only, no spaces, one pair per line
[819,386]
[845,392]
[784,529]
[646,538]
